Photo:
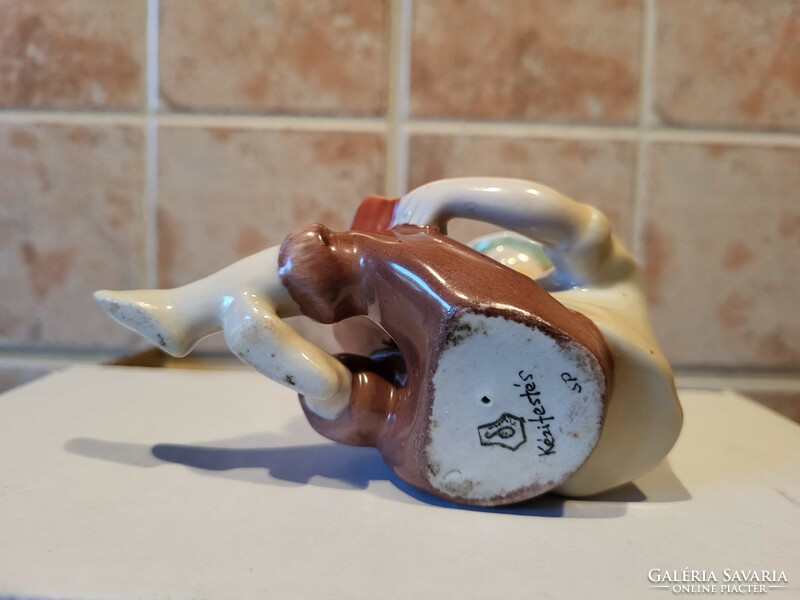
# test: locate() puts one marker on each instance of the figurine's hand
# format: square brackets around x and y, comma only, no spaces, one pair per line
[428,205]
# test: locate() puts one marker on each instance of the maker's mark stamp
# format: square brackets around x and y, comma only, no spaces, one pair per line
[508,432]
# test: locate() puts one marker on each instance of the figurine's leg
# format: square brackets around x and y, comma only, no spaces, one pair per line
[176,319]
[246,301]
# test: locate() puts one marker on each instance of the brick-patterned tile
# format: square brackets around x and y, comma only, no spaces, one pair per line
[311,57]
[728,64]
[73,54]
[226,193]
[722,241]
[535,60]
[71,222]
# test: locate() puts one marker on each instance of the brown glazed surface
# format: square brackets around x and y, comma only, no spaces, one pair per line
[374,214]
[413,281]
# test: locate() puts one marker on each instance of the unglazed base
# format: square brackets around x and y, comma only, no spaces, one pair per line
[515,411]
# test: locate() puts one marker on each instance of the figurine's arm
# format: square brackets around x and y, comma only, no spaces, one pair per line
[577,237]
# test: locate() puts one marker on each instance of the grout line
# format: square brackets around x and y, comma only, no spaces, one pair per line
[711,136]
[602,133]
[638,227]
[520,130]
[263,122]
[647,65]
[152,56]
[33,359]
[73,118]
[49,363]
[282,123]
[151,148]
[430,127]
[780,383]
[646,89]
[397,114]
[151,204]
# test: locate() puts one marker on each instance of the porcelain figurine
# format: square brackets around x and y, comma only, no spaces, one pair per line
[477,382]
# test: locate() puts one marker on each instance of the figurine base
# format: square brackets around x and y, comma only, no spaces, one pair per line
[513,418]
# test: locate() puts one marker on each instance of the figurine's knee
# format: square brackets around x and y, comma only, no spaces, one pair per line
[320,270]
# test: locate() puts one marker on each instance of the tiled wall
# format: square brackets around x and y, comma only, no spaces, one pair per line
[150,142]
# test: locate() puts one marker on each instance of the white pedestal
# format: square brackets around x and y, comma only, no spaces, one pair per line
[119,482]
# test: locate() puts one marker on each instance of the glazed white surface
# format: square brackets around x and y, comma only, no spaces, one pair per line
[542,395]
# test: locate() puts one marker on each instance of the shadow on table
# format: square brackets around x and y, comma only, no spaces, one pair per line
[278,459]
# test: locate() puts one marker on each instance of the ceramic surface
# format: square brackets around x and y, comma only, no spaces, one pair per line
[594,275]
[477,382]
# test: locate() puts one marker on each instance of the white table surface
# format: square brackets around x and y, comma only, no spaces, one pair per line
[120,482]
